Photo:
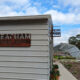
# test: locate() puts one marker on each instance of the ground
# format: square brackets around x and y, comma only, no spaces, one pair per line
[73,67]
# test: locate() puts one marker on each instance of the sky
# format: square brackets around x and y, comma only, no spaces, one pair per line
[65,13]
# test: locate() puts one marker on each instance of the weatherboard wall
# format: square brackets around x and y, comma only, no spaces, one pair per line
[26,63]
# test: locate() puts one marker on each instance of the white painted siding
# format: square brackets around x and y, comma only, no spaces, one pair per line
[23,54]
[26,63]
[24,31]
[24,27]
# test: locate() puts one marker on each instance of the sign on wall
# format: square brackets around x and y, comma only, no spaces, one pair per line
[15,40]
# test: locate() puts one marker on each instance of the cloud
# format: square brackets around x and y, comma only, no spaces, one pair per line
[56,6]
[20,2]
[17,5]
[17,8]
[32,11]
[70,5]
[74,32]
[65,36]
[70,2]
[62,39]
[24,7]
[9,12]
[64,18]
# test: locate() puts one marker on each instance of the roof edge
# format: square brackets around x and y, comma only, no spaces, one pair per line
[26,17]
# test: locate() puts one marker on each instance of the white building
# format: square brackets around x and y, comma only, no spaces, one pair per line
[21,60]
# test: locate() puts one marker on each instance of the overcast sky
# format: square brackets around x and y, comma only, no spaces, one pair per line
[65,13]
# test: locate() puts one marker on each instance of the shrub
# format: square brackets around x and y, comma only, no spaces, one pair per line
[68,66]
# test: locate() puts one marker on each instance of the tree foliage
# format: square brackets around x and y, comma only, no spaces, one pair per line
[75,40]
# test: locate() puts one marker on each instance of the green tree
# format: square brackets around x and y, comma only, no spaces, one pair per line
[75,40]
[72,40]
